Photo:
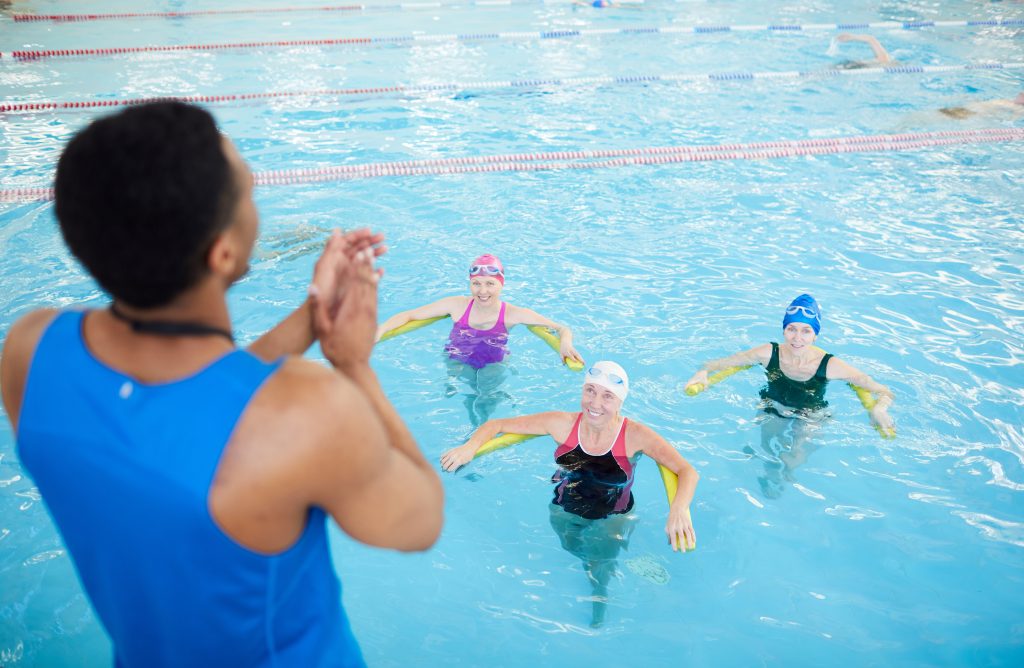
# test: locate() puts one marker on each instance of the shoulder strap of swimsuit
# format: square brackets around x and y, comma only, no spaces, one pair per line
[464,320]
[501,319]
[773,363]
[619,450]
[822,371]
[572,440]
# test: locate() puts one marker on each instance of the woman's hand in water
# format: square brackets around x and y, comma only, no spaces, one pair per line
[568,351]
[880,417]
[679,529]
[699,378]
[456,458]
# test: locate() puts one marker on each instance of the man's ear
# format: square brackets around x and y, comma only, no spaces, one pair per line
[223,257]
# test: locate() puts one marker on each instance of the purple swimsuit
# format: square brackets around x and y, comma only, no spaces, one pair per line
[478,347]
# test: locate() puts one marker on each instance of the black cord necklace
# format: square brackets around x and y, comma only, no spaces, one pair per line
[170,327]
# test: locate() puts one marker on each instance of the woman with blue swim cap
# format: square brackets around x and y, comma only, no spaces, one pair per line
[793,401]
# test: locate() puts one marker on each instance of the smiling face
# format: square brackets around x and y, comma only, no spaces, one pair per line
[600,405]
[799,336]
[486,290]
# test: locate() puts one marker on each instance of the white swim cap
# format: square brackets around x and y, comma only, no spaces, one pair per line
[610,376]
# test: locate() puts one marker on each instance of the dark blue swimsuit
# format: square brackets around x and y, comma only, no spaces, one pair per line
[800,395]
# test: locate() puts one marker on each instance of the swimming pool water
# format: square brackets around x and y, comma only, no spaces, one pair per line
[904,552]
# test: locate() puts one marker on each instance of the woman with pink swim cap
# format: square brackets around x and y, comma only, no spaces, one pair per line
[479,336]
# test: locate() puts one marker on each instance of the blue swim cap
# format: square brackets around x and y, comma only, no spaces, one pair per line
[803,309]
[601,3]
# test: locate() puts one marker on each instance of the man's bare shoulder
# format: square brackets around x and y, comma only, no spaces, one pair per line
[306,388]
[18,349]
[29,327]
[306,404]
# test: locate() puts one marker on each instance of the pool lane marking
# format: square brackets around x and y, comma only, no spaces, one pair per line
[202,13]
[612,158]
[455,87]
[39,54]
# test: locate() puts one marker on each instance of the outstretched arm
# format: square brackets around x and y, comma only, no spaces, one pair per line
[679,527]
[440,308]
[881,55]
[523,316]
[294,335]
[758,355]
[840,370]
[554,423]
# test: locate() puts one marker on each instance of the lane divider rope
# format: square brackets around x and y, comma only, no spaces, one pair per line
[380,91]
[38,54]
[200,13]
[604,159]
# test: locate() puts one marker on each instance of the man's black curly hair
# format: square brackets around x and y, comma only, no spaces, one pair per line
[140,197]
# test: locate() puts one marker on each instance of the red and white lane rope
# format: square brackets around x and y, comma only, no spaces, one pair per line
[455,86]
[200,13]
[604,159]
[38,54]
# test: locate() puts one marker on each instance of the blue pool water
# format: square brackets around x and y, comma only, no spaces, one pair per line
[872,552]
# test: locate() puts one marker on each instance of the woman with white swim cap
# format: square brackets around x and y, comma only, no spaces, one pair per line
[597,454]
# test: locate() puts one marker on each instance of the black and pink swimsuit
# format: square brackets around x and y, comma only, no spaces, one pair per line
[593,486]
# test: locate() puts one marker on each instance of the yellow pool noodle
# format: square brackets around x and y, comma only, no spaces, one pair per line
[668,478]
[867,400]
[410,326]
[542,332]
[717,377]
[549,338]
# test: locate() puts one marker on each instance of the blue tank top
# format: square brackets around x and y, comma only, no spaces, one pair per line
[125,470]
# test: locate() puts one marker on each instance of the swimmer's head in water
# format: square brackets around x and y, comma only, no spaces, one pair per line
[489,266]
[959,113]
[803,309]
[1019,99]
[610,376]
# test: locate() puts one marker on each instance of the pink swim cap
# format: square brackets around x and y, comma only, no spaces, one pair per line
[489,266]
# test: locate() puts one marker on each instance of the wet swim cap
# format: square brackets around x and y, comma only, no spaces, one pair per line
[488,265]
[610,376]
[803,309]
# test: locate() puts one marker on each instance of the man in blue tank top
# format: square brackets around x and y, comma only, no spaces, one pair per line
[191,480]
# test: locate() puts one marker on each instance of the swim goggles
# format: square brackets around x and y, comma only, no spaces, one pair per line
[485,270]
[808,312]
[594,372]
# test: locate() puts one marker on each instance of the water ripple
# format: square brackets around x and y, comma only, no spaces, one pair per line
[995,529]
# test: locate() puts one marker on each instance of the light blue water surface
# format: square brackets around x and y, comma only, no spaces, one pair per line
[903,552]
